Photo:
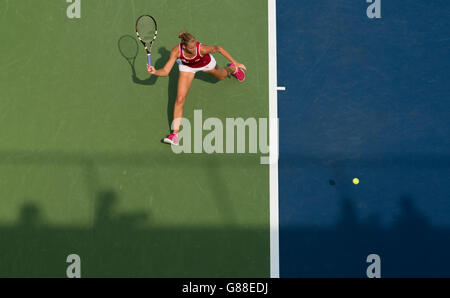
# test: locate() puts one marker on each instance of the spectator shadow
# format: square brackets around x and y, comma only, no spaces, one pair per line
[130,245]
[410,247]
[126,244]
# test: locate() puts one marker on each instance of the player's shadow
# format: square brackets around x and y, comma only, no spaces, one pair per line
[129,50]
[206,77]
[173,81]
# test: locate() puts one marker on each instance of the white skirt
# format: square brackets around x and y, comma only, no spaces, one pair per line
[186,68]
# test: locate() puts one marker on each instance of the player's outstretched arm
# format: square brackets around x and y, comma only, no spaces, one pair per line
[204,50]
[164,72]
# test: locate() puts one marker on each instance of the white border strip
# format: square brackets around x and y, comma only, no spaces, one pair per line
[273,134]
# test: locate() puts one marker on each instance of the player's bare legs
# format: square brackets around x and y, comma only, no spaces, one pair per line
[184,83]
[220,73]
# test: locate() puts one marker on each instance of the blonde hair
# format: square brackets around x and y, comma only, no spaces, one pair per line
[186,37]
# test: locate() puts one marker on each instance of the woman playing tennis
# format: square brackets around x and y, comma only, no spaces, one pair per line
[192,56]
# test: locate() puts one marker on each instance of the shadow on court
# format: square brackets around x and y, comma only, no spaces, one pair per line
[126,244]
[410,247]
[206,77]
[129,244]
[129,50]
[408,244]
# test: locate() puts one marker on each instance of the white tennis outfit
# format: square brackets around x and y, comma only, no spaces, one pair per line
[186,68]
[197,63]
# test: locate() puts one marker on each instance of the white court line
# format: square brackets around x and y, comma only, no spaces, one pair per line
[273,144]
[281,88]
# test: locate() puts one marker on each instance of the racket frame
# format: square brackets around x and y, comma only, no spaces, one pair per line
[148,48]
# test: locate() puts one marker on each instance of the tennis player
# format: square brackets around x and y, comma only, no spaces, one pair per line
[193,56]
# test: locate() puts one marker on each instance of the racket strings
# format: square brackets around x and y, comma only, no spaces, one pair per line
[146,29]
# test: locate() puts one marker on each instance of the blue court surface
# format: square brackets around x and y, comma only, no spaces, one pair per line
[368,99]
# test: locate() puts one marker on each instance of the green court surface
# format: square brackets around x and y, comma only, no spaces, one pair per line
[82,167]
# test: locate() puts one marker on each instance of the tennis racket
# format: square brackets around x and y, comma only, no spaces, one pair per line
[146,31]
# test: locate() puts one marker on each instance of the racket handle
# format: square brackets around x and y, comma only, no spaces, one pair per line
[149,60]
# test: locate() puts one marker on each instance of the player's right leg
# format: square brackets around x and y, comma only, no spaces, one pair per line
[184,83]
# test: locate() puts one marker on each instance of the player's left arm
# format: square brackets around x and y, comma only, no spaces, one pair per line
[205,49]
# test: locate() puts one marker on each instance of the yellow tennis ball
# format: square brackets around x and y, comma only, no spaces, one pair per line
[355,180]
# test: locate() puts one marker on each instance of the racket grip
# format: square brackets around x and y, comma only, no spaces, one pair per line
[149,60]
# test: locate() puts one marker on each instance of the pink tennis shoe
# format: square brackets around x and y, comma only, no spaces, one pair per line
[239,74]
[172,139]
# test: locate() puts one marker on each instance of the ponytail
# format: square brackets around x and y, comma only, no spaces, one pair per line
[186,37]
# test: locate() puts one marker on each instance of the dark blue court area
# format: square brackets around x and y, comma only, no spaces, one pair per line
[368,99]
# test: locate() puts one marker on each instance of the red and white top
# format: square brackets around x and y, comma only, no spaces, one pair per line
[197,61]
